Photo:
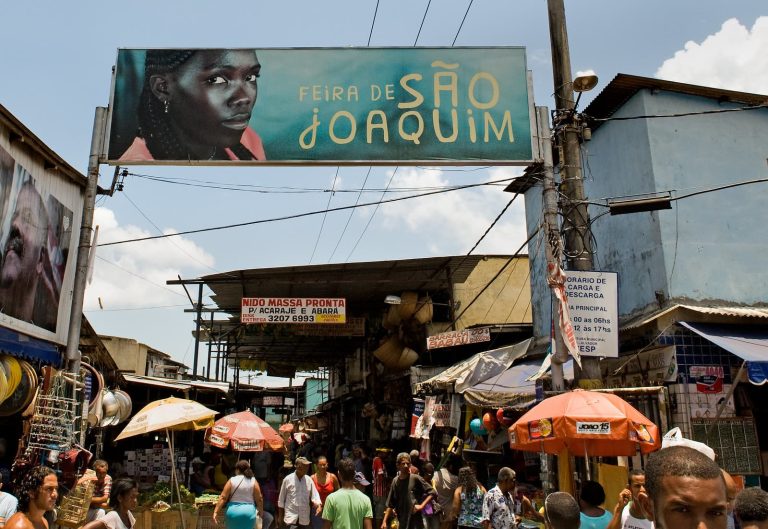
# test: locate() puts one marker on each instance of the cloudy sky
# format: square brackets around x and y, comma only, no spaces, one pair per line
[56,59]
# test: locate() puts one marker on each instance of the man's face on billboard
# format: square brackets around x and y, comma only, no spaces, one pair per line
[25,239]
[211,97]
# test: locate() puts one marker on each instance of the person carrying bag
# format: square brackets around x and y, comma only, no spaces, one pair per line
[242,500]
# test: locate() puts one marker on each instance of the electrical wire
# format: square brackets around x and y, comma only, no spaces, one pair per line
[462,23]
[493,223]
[189,182]
[422,22]
[351,213]
[305,214]
[370,33]
[182,250]
[370,219]
[325,215]
[679,115]
[137,308]
[490,282]
[139,276]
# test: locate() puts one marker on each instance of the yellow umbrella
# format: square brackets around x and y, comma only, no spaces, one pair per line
[169,414]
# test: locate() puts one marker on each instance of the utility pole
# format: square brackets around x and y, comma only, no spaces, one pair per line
[84,246]
[576,229]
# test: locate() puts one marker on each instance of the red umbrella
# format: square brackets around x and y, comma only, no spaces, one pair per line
[244,432]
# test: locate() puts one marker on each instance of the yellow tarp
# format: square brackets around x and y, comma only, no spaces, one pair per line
[613,478]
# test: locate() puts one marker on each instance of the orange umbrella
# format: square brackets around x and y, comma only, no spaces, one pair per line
[586,423]
[286,428]
[244,432]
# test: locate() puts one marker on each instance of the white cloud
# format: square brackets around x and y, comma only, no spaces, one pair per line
[734,58]
[134,274]
[451,223]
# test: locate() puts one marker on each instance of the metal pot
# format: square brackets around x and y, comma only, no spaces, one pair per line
[111,408]
[126,406]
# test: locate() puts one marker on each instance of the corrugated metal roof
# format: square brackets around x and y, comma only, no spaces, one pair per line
[624,86]
[723,311]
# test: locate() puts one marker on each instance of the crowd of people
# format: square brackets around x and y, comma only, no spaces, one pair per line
[680,488]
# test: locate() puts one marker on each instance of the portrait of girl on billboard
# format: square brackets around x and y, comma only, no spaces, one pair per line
[197,105]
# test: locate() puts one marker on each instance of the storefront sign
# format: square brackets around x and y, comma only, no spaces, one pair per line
[293,310]
[418,411]
[652,367]
[353,327]
[272,401]
[593,303]
[709,379]
[358,106]
[452,338]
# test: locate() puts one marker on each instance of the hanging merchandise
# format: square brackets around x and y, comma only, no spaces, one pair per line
[74,506]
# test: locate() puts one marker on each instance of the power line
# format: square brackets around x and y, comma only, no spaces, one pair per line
[422,22]
[161,231]
[325,215]
[351,213]
[370,219]
[495,277]
[375,11]
[137,308]
[306,214]
[462,23]
[139,276]
[680,115]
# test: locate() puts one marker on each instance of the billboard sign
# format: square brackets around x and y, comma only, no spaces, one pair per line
[39,218]
[356,106]
[593,303]
[293,310]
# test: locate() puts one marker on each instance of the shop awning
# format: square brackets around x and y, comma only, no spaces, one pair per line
[178,385]
[748,342]
[511,387]
[28,348]
[477,368]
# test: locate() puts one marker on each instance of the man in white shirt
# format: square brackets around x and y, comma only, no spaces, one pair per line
[629,512]
[297,495]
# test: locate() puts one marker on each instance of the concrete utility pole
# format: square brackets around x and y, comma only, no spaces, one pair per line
[84,247]
[576,229]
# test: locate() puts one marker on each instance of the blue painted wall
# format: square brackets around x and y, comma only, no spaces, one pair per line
[316,393]
[709,248]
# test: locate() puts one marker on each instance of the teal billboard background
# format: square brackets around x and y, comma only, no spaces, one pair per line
[369,105]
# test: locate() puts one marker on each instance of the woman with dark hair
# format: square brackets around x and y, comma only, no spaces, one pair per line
[242,498]
[468,500]
[122,498]
[196,105]
[592,515]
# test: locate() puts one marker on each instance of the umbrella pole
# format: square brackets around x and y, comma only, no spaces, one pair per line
[174,477]
[586,458]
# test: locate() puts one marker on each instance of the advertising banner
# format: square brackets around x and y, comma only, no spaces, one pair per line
[37,226]
[321,105]
[452,338]
[593,303]
[294,310]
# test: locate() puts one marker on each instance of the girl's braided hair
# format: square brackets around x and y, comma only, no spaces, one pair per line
[154,125]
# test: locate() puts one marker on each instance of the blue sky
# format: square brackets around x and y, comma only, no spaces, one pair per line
[56,59]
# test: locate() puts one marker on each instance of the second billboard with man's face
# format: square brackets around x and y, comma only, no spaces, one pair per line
[304,106]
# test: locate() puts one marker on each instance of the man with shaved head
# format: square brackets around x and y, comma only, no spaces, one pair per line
[685,490]
[751,508]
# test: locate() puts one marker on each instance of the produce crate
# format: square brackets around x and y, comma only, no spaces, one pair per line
[171,519]
[143,518]
[205,518]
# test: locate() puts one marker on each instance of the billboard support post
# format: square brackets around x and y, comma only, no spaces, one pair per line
[84,246]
